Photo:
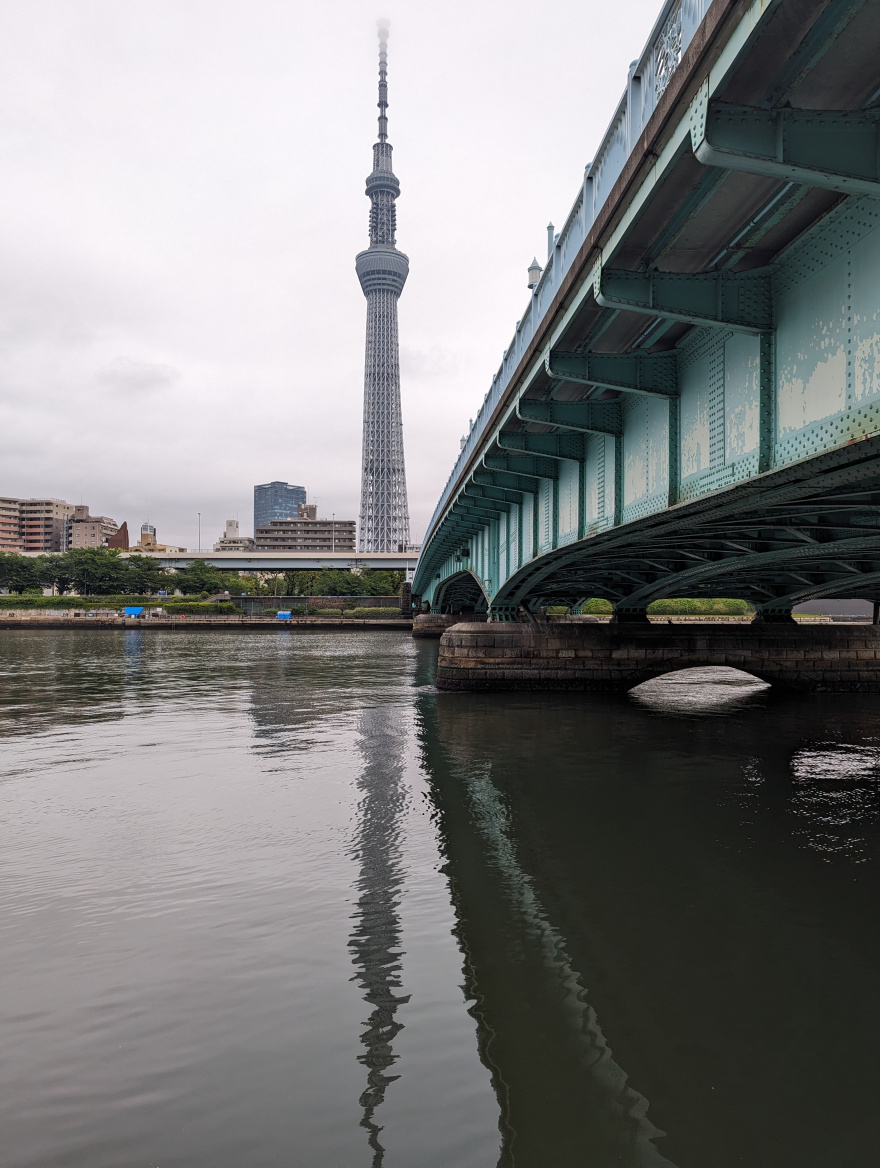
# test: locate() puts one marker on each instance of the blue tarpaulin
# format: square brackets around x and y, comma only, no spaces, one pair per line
[283,616]
[132,611]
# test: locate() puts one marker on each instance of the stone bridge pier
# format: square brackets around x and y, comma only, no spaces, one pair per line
[576,655]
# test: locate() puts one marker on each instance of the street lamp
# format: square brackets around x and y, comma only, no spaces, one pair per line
[200,530]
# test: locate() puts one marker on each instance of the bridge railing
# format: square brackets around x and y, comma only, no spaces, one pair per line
[647,79]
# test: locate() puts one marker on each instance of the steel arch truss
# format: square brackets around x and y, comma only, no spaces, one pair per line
[795,540]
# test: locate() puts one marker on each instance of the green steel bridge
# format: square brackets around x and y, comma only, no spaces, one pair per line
[690,404]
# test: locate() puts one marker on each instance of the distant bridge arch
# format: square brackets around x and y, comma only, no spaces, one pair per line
[460,592]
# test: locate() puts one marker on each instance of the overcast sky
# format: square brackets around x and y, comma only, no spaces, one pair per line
[181,201]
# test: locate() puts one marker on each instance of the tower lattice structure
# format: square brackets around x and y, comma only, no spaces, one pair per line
[382,271]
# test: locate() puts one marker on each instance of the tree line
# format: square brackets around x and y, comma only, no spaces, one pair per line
[104,572]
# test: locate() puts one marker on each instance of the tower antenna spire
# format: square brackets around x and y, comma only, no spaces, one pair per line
[384,28]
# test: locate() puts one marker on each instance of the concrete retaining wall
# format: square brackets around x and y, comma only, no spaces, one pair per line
[572,656]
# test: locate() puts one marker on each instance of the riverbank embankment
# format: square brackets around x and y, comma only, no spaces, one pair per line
[243,624]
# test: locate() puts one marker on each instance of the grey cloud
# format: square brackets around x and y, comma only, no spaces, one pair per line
[137,376]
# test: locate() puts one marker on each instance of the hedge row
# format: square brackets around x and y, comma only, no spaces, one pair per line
[705,606]
[92,602]
[176,606]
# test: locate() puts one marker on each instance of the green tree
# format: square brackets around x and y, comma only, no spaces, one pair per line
[19,573]
[381,583]
[55,573]
[202,576]
[97,571]
[340,582]
[144,576]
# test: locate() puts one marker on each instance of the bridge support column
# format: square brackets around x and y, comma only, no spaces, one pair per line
[503,613]
[567,654]
[629,616]
[432,625]
[770,614]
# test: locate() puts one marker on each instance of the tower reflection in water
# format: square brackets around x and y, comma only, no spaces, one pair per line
[375,938]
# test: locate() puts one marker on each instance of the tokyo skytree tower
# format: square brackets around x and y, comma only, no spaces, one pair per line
[382,271]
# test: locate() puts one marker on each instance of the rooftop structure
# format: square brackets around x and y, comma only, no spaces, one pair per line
[232,540]
[382,271]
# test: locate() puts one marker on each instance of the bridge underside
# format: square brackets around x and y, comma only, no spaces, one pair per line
[792,535]
[698,411]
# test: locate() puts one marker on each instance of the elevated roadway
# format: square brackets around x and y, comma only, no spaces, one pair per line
[285,561]
[690,402]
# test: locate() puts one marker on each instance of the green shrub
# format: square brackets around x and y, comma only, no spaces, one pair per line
[558,610]
[596,607]
[690,606]
[86,602]
[196,608]
[702,606]
[373,613]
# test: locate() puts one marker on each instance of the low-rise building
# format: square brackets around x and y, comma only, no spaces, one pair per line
[148,543]
[232,541]
[307,533]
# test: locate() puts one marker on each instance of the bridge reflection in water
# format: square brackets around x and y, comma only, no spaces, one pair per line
[662,902]
[563,1097]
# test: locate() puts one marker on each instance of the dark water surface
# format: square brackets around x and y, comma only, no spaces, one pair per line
[271,900]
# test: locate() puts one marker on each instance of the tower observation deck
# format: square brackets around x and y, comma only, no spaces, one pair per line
[382,271]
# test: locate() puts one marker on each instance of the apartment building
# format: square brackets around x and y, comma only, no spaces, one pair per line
[307,533]
[10,535]
[90,531]
[44,524]
[51,525]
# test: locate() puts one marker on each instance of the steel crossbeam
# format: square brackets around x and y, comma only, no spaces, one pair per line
[651,374]
[735,300]
[835,149]
[564,447]
[584,417]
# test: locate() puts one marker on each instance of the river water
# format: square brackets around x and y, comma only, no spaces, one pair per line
[272,900]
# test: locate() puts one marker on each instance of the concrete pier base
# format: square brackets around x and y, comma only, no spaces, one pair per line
[435,624]
[607,657]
